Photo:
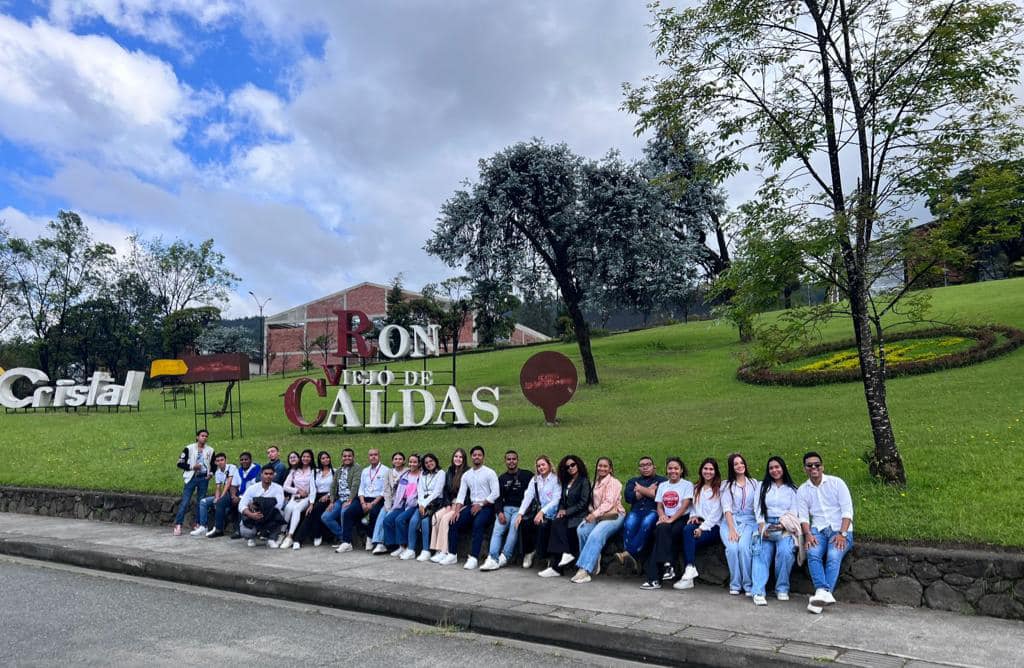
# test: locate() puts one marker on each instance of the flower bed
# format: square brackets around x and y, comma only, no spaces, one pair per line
[907,353]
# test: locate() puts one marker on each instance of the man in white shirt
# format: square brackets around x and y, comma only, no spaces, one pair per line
[826,519]
[262,517]
[480,486]
[368,503]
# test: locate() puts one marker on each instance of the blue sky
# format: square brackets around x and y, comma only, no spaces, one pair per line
[315,142]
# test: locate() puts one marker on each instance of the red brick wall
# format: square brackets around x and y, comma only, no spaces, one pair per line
[369,299]
[323,307]
[284,340]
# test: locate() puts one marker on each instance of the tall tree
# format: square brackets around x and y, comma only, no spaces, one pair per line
[493,305]
[181,273]
[854,105]
[183,328]
[540,208]
[54,273]
[9,295]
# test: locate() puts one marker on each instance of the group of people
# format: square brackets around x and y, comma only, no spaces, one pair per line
[414,509]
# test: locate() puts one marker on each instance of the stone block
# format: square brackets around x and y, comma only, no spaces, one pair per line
[899,590]
[896,565]
[850,591]
[865,569]
[958,580]
[926,572]
[941,596]
[1001,605]
[997,586]
[972,568]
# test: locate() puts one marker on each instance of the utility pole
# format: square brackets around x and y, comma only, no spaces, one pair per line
[263,329]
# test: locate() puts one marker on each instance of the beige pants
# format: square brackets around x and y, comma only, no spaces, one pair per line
[439,529]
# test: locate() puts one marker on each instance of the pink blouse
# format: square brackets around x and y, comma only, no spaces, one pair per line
[607,497]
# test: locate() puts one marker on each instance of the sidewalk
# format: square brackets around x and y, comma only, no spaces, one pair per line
[610,615]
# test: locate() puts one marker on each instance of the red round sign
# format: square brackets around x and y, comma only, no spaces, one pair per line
[548,380]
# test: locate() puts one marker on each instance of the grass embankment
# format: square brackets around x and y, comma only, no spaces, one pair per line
[669,390]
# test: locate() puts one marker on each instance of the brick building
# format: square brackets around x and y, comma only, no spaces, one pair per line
[291,335]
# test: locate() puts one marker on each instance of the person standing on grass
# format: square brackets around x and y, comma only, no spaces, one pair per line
[367,503]
[299,484]
[673,498]
[643,512]
[474,506]
[260,507]
[739,496]
[603,521]
[512,483]
[563,542]
[703,527]
[776,507]
[274,460]
[540,503]
[345,490]
[826,519]
[248,474]
[195,462]
[224,476]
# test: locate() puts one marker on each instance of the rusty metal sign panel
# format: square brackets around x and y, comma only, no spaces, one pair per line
[217,368]
[548,380]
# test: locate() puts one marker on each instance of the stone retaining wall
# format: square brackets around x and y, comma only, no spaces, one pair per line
[960,580]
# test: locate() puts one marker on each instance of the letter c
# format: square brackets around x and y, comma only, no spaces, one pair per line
[293,402]
[7,380]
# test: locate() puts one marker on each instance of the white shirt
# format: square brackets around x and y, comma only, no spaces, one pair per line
[779,500]
[825,505]
[372,481]
[550,491]
[221,477]
[672,496]
[322,483]
[740,500]
[481,484]
[430,486]
[256,491]
[708,506]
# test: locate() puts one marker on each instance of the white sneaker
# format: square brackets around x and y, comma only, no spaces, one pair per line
[814,609]
[344,547]
[437,558]
[683,584]
[822,597]
[566,559]
[489,565]
[286,543]
[528,560]
[296,546]
[317,541]
[398,552]
[690,573]
[782,596]
[470,564]
[502,561]
[549,573]
[424,556]
[581,577]
[407,554]
[198,531]
[251,542]
[368,545]
[273,544]
[379,549]
[760,600]
[449,559]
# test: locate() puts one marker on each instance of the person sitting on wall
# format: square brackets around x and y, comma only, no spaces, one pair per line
[643,512]
[195,462]
[345,490]
[280,468]
[261,509]
[224,475]
[513,484]
[370,499]
[474,505]
[248,474]
[825,508]
[573,506]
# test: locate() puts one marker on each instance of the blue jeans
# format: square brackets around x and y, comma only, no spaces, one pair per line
[781,545]
[378,527]
[396,525]
[498,534]
[196,485]
[220,509]
[825,559]
[479,522]
[332,519]
[691,542]
[421,525]
[351,516]
[636,531]
[593,536]
[739,557]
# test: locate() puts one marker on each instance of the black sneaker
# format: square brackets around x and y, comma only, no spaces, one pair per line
[651,584]
[236,536]
[670,572]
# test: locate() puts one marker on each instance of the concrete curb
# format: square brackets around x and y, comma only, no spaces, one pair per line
[426,605]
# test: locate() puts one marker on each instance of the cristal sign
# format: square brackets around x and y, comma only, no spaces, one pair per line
[101,390]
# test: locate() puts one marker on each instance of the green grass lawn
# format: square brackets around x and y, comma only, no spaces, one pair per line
[664,391]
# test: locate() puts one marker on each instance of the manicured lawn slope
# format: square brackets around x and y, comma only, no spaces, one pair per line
[669,390]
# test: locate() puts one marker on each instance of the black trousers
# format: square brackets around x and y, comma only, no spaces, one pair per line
[668,539]
[563,539]
[310,526]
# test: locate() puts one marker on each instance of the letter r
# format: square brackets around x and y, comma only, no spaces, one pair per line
[347,334]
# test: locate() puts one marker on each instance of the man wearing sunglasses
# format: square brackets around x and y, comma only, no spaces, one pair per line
[826,519]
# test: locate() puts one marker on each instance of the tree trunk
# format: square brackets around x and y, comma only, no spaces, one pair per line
[787,297]
[582,329]
[885,462]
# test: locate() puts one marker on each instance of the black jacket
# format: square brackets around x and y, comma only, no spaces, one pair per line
[575,501]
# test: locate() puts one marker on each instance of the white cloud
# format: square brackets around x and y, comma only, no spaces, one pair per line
[260,108]
[153,20]
[27,226]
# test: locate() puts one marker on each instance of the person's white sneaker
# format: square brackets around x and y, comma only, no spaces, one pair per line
[683,584]
[502,561]
[251,542]
[296,546]
[489,565]
[760,600]
[344,547]
[470,564]
[368,545]
[690,573]
[549,572]
[829,598]
[407,554]
[317,542]
[528,560]
[822,597]
[286,543]
[581,577]
[424,556]
[438,557]
[379,549]
[198,531]
[814,609]
[566,559]
[782,596]
[449,559]
[398,552]
[273,544]
[734,592]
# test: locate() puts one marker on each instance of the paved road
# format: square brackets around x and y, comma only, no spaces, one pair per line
[52,615]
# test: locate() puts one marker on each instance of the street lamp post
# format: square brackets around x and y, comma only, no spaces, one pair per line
[263,329]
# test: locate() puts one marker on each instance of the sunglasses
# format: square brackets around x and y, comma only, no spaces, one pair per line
[571,465]
[813,465]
